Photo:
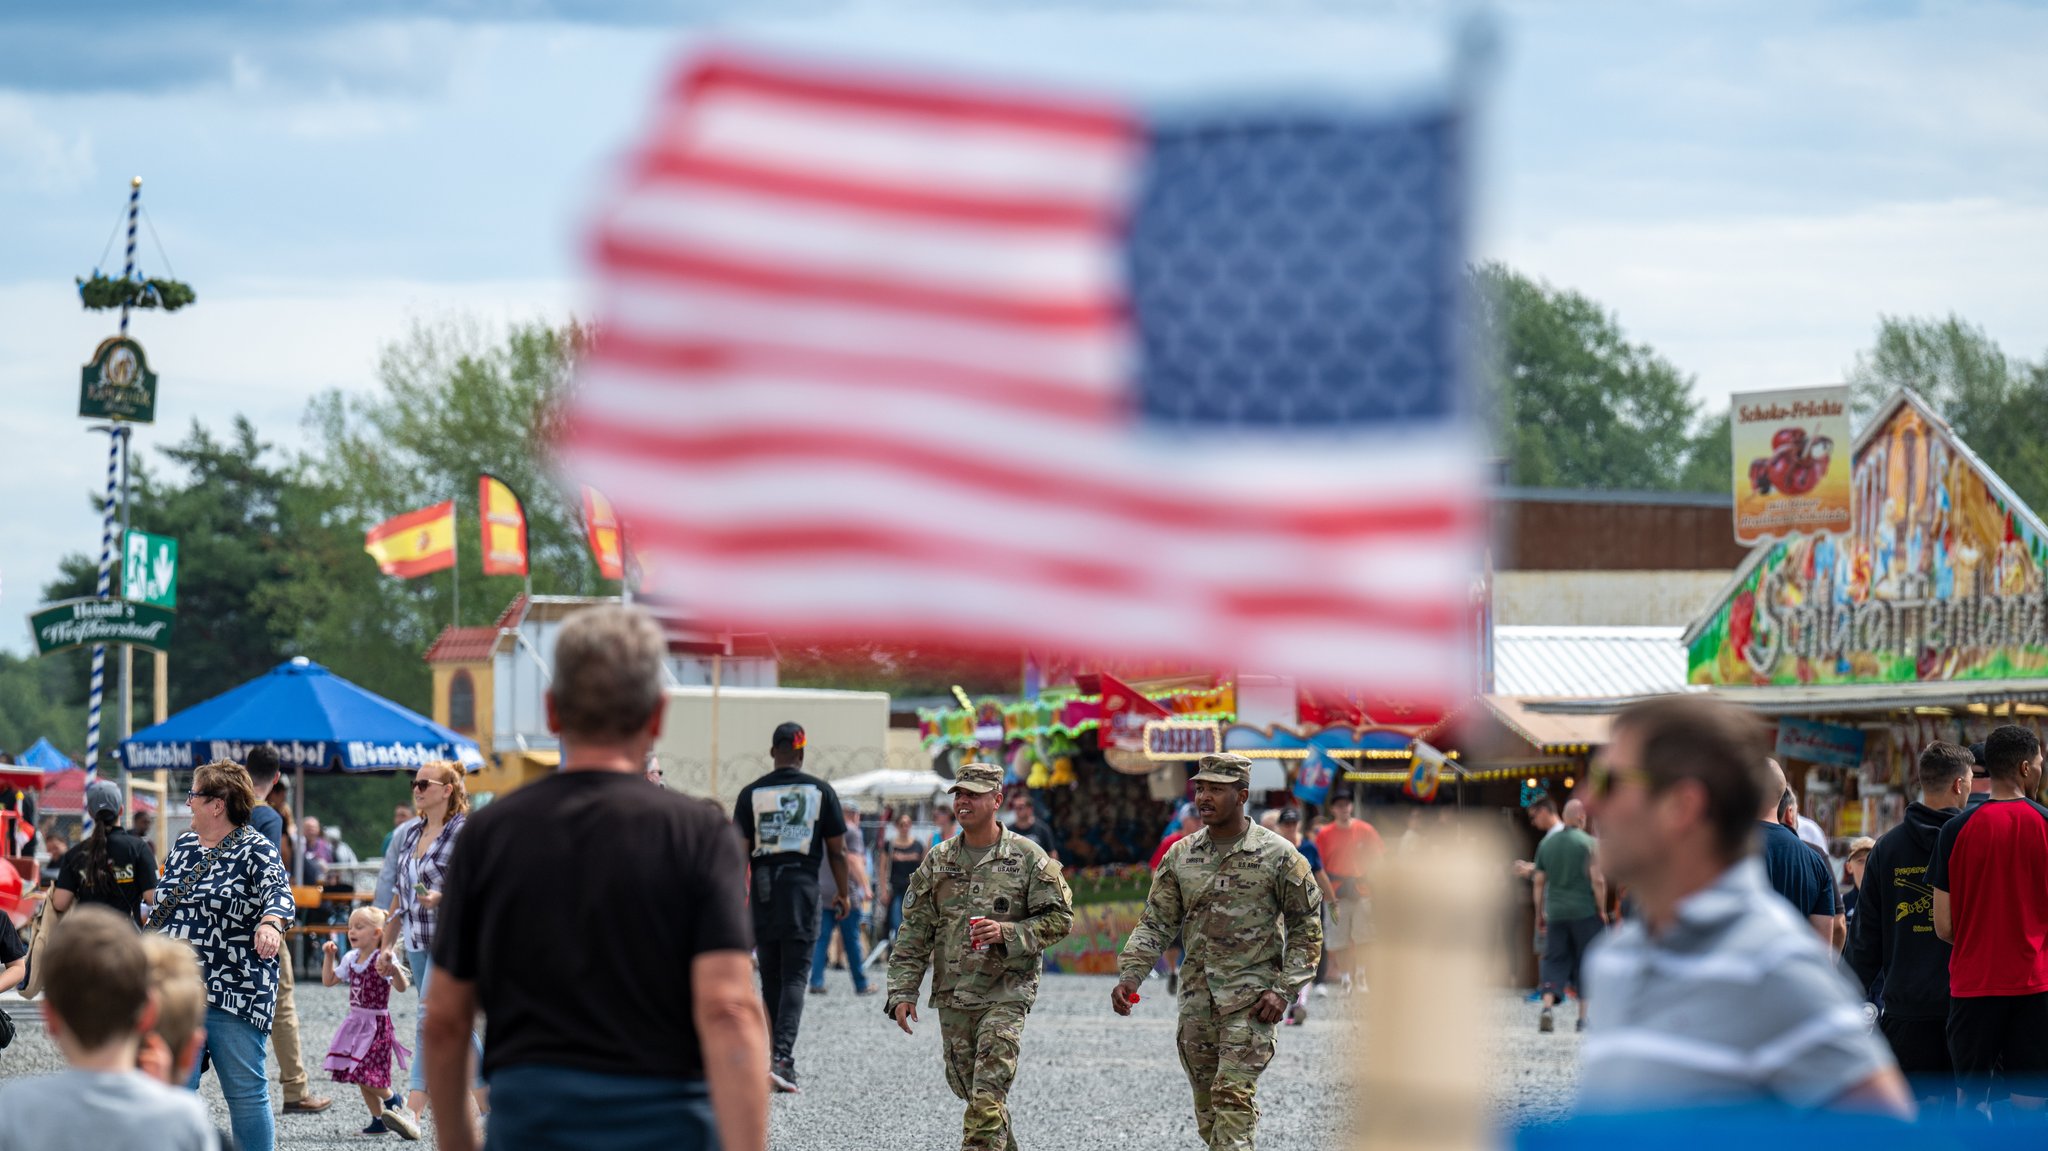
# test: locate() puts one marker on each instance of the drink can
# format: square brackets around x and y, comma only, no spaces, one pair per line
[972,923]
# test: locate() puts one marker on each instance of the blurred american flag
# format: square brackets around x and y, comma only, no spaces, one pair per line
[884,357]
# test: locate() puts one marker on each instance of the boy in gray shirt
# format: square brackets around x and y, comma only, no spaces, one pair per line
[98,1005]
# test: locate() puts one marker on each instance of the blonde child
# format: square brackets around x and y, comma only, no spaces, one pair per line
[363,1048]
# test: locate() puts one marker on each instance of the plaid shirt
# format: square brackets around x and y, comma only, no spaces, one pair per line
[428,871]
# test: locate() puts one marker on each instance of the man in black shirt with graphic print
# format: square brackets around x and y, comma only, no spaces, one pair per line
[790,821]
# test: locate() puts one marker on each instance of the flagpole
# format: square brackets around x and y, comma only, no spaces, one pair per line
[717,674]
[455,569]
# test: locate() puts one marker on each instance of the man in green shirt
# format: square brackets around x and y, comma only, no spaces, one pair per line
[1571,910]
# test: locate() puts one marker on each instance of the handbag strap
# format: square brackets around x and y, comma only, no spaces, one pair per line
[179,894]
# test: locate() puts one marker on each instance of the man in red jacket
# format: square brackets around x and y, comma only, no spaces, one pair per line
[1990,903]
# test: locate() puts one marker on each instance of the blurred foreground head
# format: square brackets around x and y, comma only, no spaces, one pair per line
[1677,789]
[607,685]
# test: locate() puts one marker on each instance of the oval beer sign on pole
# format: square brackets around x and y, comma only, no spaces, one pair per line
[117,384]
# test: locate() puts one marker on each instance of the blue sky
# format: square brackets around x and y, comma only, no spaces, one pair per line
[1749,185]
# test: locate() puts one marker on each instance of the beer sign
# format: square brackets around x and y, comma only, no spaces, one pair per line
[117,383]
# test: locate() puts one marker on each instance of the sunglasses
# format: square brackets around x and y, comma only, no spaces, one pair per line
[1605,777]
[423,784]
[195,795]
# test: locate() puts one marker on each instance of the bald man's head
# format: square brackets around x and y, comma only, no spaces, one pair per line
[1774,790]
[1575,813]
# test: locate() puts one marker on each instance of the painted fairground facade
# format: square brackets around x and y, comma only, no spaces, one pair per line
[1940,578]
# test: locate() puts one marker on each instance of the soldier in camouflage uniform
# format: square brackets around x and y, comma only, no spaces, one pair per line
[1228,889]
[1007,881]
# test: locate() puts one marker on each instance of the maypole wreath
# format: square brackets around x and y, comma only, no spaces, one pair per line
[103,293]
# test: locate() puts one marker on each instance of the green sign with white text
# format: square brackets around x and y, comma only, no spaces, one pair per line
[89,620]
[149,569]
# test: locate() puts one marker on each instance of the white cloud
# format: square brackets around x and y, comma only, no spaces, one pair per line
[37,157]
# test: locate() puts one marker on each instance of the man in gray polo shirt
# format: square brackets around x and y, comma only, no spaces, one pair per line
[1716,993]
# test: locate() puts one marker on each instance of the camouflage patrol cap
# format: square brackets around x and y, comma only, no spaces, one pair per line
[1226,769]
[977,777]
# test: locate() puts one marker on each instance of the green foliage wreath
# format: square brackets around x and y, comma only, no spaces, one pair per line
[106,294]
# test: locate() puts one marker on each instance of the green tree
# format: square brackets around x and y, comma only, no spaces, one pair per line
[1579,405]
[33,705]
[451,403]
[1998,404]
[1710,457]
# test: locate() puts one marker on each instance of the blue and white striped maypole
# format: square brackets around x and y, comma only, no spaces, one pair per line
[116,435]
[99,650]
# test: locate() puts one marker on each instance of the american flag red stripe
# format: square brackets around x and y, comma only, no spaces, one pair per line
[864,371]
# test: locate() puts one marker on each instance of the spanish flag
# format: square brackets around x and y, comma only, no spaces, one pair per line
[607,541]
[504,524]
[415,543]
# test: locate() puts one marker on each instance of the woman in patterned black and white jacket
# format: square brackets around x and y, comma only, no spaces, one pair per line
[225,891]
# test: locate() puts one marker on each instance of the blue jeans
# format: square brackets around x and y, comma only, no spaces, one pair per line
[422,963]
[535,1108]
[895,913]
[237,1051]
[849,937]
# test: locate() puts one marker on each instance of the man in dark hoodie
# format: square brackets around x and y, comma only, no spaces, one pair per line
[1892,945]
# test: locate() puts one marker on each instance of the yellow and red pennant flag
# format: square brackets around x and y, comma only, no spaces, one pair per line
[416,543]
[607,540]
[504,524]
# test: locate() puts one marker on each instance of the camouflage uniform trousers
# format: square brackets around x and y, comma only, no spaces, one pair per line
[981,1062]
[1223,1055]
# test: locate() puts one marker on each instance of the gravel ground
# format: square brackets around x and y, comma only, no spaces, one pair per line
[1088,1080]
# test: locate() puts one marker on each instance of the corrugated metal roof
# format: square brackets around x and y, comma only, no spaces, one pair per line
[1588,662]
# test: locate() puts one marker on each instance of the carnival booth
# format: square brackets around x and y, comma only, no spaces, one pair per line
[1107,756]
[1927,619]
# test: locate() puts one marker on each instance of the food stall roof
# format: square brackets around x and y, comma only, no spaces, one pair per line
[1588,662]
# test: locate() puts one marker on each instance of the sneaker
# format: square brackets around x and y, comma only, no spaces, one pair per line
[1579,1026]
[1535,996]
[817,991]
[870,989]
[1322,991]
[401,1121]
[1344,987]
[1297,1015]
[1544,1023]
[395,1103]
[376,1127]
[782,1077]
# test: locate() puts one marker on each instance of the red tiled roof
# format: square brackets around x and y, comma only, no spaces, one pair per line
[474,644]
[463,645]
[510,616]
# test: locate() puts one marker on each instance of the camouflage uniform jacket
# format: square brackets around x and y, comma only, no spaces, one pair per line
[1016,885]
[1229,904]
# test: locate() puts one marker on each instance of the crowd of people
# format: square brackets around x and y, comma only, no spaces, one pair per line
[1717,958]
[1713,955]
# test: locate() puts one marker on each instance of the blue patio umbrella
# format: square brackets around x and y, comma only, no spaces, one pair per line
[43,754]
[315,719]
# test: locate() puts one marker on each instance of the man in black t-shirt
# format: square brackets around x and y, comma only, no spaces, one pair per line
[598,923]
[790,821]
[128,877]
[1027,824]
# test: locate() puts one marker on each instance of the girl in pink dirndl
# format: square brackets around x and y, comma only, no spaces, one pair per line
[363,1048]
